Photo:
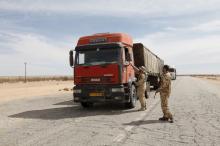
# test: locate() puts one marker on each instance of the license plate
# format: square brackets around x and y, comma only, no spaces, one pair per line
[96,94]
[95,80]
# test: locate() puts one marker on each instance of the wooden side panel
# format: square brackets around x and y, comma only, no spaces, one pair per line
[139,58]
[144,57]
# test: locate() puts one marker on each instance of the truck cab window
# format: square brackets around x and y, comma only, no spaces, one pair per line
[81,58]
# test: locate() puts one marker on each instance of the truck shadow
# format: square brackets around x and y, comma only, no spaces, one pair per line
[74,111]
[69,102]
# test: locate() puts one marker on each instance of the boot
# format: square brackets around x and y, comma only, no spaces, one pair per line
[145,106]
[142,109]
[163,119]
[171,120]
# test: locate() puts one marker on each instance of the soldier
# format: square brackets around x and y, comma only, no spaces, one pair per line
[141,86]
[165,89]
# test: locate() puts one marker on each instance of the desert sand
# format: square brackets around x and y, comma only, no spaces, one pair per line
[12,91]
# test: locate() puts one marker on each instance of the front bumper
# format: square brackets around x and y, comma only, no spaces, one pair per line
[87,93]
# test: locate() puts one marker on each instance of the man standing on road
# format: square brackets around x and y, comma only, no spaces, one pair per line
[141,86]
[165,89]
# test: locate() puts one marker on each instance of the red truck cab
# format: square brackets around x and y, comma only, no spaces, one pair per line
[102,70]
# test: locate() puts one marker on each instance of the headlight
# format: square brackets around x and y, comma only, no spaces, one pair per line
[117,89]
[77,91]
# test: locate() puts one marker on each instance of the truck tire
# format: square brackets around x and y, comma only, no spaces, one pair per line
[133,97]
[156,87]
[157,83]
[147,94]
[86,104]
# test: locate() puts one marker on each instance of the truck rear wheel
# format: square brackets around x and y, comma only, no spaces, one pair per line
[147,94]
[86,104]
[133,97]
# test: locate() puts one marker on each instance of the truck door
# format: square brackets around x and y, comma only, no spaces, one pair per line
[127,69]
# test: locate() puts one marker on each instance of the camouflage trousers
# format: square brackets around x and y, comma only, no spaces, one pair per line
[141,95]
[164,105]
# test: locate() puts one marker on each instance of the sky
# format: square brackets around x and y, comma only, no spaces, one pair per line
[185,34]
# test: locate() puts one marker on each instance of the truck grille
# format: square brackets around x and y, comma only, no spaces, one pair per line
[95,79]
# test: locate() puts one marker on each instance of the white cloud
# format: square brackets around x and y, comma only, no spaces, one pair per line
[149,8]
[206,26]
[192,43]
[43,56]
[179,50]
[213,26]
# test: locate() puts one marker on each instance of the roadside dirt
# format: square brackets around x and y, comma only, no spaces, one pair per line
[12,91]
[211,79]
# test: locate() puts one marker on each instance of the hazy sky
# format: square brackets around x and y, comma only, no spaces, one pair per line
[186,34]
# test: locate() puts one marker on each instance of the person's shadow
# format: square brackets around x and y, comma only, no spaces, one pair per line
[144,122]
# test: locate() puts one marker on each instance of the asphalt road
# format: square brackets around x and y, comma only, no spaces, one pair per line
[55,120]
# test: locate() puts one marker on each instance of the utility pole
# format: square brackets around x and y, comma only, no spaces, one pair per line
[25,72]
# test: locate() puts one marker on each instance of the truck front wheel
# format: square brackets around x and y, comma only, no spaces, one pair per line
[86,104]
[133,97]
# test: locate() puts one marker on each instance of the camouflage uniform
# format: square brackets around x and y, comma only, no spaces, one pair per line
[165,89]
[141,88]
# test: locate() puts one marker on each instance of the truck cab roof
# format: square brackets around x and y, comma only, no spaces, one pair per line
[105,38]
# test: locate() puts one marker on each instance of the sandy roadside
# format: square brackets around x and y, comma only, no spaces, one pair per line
[213,80]
[12,91]
[217,82]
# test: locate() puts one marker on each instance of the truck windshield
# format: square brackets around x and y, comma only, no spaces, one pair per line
[172,70]
[97,56]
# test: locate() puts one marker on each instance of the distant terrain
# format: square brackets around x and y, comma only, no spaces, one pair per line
[14,79]
[209,77]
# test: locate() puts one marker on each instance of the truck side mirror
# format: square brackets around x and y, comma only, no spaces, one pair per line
[71,59]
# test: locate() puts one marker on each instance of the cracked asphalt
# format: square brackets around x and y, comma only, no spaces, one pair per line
[54,120]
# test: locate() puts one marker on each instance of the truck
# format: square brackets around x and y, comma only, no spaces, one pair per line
[103,72]
[172,73]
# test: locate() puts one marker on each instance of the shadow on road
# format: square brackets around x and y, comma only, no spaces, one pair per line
[74,111]
[69,102]
[141,122]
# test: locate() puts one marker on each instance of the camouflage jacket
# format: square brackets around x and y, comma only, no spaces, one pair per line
[165,83]
[141,80]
